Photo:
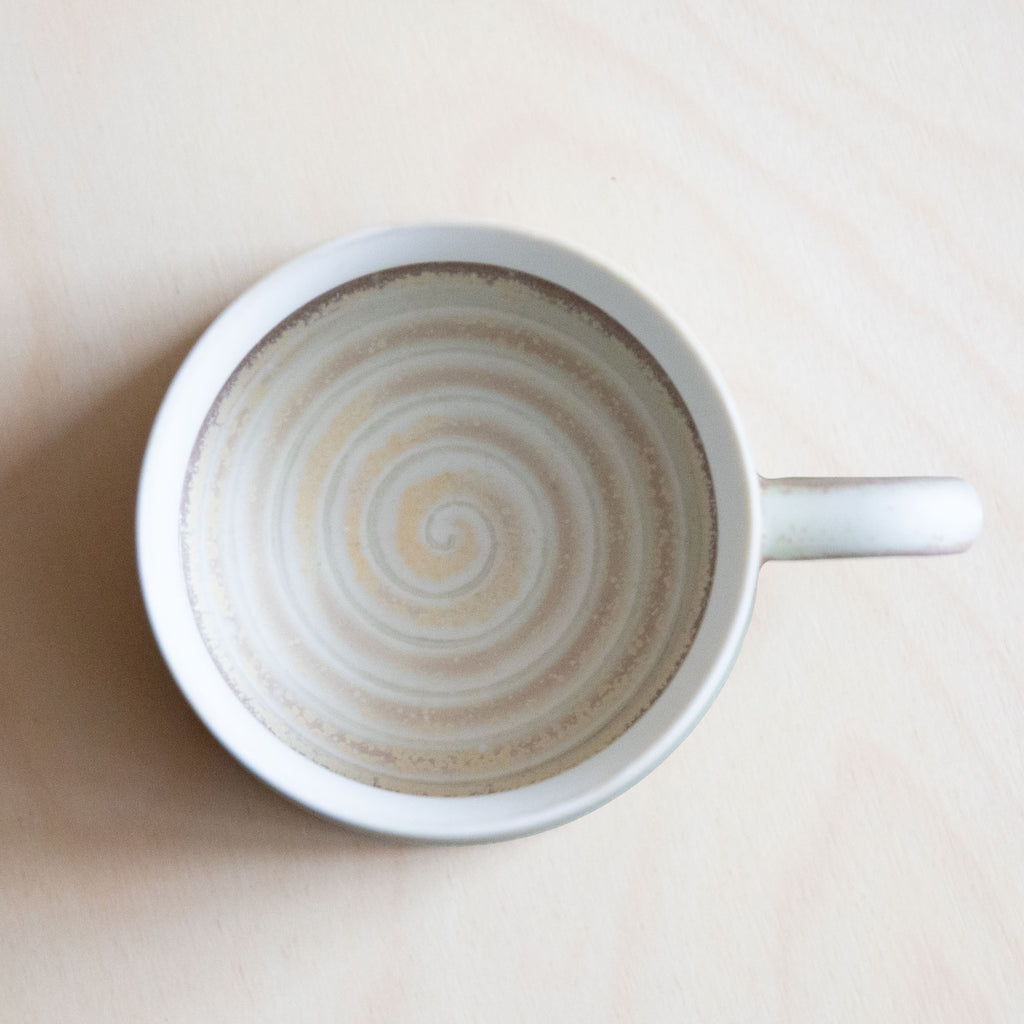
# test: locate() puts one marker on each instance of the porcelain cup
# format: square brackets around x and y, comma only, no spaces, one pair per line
[450,533]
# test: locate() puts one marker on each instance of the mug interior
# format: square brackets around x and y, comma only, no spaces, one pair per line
[435,545]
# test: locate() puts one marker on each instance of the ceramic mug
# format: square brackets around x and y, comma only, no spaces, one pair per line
[449,533]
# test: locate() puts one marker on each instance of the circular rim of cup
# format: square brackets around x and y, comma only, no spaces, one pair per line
[508,813]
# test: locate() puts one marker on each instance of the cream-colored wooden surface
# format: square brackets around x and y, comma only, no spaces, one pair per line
[832,196]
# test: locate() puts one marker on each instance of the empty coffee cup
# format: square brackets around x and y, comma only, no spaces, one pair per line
[450,533]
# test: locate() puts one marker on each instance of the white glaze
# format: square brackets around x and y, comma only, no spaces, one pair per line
[853,518]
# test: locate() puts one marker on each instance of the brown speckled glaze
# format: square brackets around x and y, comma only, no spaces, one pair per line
[448,529]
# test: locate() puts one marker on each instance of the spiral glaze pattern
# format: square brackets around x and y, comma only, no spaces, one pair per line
[448,529]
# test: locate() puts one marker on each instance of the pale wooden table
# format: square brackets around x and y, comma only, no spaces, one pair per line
[832,196]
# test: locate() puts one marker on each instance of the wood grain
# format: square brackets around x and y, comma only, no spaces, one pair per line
[832,197]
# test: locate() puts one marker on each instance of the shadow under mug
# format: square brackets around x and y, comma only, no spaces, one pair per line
[447,532]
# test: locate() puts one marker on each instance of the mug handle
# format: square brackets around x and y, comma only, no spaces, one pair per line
[823,517]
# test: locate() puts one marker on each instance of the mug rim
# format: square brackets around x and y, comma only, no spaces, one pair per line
[508,813]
